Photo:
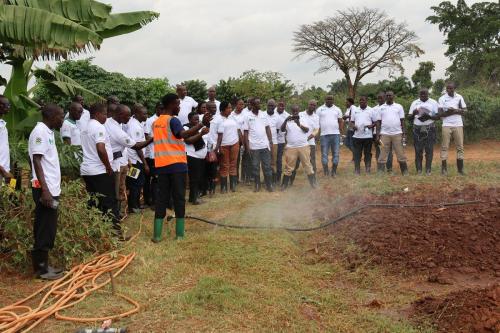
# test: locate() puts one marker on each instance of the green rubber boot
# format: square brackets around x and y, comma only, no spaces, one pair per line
[179,228]
[157,228]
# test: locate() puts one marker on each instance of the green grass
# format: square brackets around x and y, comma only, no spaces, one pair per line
[224,280]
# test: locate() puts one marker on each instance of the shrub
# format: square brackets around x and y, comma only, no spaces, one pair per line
[82,232]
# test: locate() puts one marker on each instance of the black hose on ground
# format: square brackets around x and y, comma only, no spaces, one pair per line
[340,218]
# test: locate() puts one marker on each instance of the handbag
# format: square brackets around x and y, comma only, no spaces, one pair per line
[211,157]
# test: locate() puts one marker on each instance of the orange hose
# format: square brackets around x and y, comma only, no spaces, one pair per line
[66,292]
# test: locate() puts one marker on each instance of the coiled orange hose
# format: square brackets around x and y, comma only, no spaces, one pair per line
[68,291]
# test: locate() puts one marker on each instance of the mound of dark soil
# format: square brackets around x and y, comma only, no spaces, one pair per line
[433,241]
[465,311]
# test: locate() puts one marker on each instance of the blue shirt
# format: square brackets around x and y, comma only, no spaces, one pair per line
[176,128]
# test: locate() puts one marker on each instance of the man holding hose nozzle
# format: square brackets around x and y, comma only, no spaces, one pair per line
[171,163]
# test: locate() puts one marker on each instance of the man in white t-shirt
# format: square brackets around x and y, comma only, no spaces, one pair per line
[350,109]
[211,167]
[151,180]
[282,114]
[331,125]
[259,142]
[135,129]
[70,132]
[239,117]
[46,188]
[297,146]
[272,120]
[451,109]
[187,104]
[376,110]
[85,117]
[391,132]
[4,142]
[363,120]
[423,112]
[211,98]
[120,141]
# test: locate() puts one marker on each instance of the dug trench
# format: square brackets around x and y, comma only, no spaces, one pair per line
[448,256]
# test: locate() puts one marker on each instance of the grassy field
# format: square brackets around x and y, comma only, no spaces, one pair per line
[219,279]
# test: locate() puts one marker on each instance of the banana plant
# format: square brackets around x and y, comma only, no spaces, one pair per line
[54,29]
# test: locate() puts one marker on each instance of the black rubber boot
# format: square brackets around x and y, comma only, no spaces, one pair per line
[428,167]
[368,167]
[334,171]
[223,184]
[269,184]
[256,187]
[460,167]
[357,169]
[444,168]
[404,168]
[325,170]
[233,180]
[312,180]
[292,177]
[285,183]
[380,167]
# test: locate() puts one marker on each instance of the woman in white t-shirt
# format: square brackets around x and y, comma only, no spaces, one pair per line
[228,144]
[196,150]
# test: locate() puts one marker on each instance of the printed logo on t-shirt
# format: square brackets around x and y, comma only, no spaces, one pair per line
[101,134]
[51,141]
[38,141]
[127,141]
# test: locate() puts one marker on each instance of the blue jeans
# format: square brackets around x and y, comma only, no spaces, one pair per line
[330,142]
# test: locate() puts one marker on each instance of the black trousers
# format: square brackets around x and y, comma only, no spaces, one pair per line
[261,157]
[211,170]
[171,185]
[150,183]
[424,138]
[312,158]
[279,158]
[362,147]
[103,195]
[45,226]
[196,168]
[246,166]
[135,186]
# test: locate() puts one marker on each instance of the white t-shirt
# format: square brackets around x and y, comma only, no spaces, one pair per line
[228,127]
[256,127]
[391,116]
[313,120]
[456,102]
[71,130]
[186,107]
[4,146]
[42,142]
[347,113]
[83,121]
[148,129]
[362,118]
[295,136]
[136,131]
[239,118]
[94,133]
[190,151]
[329,119]
[272,120]
[279,122]
[213,131]
[119,141]
[430,107]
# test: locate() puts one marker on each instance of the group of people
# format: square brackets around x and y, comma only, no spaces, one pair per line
[125,151]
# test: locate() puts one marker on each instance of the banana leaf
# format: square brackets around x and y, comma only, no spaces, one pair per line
[123,23]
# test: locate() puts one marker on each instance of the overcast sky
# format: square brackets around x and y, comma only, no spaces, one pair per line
[211,40]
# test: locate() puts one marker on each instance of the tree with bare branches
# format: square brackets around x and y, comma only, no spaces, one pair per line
[357,41]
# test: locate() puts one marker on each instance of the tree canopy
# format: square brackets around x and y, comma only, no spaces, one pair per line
[473,39]
[357,41]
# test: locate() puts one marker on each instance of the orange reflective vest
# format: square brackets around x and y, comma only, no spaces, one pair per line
[168,149]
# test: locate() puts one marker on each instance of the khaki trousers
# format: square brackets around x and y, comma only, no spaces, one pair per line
[394,141]
[457,133]
[301,153]
[274,158]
